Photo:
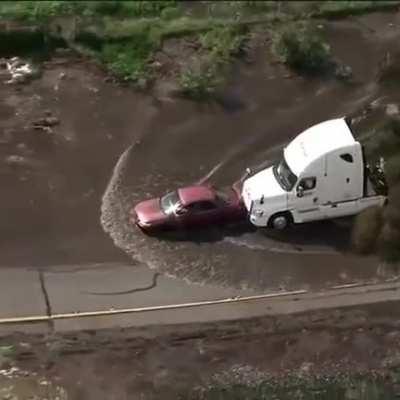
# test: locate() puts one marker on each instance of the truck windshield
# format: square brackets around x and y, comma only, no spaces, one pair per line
[170,202]
[284,175]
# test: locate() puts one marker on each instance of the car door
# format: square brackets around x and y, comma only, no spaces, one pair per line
[304,201]
[201,213]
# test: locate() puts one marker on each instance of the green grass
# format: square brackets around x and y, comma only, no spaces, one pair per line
[299,388]
[39,11]
[7,351]
[218,46]
[302,47]
[201,82]
[344,8]
[126,33]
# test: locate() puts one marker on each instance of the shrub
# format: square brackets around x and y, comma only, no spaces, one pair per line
[223,42]
[201,82]
[384,140]
[302,47]
[366,230]
[128,60]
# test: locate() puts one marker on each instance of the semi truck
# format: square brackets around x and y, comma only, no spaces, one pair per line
[322,174]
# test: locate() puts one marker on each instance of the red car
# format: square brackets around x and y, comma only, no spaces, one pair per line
[188,207]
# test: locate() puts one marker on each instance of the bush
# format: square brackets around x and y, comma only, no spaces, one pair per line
[384,140]
[128,60]
[302,47]
[366,230]
[223,42]
[201,82]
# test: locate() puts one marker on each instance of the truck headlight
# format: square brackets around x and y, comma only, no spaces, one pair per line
[258,213]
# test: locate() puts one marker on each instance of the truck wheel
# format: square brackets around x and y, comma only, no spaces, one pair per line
[280,221]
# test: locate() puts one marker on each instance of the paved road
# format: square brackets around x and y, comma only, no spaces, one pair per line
[72,289]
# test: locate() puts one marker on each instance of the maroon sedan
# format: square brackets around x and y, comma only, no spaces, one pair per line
[188,207]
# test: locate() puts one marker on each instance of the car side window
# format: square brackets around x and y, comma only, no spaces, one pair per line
[202,206]
[308,183]
[347,157]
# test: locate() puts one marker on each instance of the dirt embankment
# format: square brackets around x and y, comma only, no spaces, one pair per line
[168,362]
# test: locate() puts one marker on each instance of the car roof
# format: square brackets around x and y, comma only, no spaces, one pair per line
[192,194]
[316,141]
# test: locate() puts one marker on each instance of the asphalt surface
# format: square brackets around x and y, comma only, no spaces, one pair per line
[151,299]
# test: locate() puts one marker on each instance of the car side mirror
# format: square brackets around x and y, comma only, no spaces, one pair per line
[180,211]
[300,191]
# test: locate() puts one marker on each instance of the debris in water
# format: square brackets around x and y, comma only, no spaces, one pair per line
[344,72]
[392,110]
[19,70]
[47,121]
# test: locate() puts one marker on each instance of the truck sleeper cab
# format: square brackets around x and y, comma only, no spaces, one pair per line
[321,175]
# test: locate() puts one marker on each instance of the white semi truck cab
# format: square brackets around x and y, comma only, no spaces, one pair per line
[322,174]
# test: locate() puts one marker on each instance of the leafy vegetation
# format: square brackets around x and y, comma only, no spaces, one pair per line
[300,388]
[218,46]
[385,141]
[302,47]
[128,61]
[127,33]
[44,10]
[200,82]
[344,8]
[7,351]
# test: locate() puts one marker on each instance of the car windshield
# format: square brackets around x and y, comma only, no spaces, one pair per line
[284,175]
[170,202]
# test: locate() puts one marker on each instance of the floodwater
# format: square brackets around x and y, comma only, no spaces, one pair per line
[98,174]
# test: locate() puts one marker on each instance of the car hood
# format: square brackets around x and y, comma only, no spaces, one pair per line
[149,211]
[262,185]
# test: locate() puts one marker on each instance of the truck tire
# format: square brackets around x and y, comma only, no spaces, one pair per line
[280,221]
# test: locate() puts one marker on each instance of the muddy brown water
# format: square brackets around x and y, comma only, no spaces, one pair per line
[178,142]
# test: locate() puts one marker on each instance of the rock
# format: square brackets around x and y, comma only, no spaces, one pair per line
[15,160]
[47,122]
[374,105]
[344,72]
[22,147]
[62,75]
[306,367]
[142,83]
[392,110]
[156,65]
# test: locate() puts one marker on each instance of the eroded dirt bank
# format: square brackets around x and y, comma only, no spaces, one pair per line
[169,362]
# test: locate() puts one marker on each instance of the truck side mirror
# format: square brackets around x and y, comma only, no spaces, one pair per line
[300,191]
